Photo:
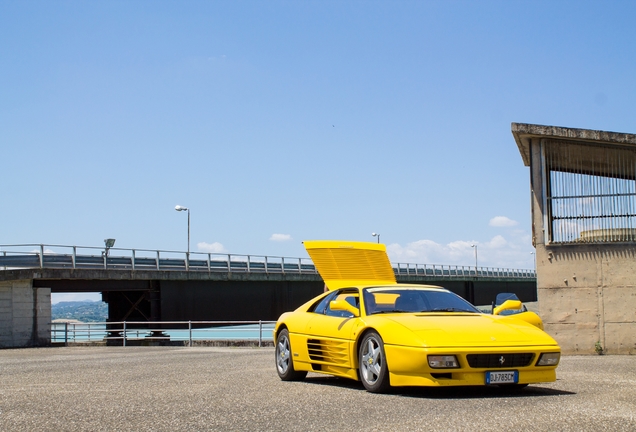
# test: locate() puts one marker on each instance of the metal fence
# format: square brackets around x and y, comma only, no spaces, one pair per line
[590,192]
[190,331]
[85,257]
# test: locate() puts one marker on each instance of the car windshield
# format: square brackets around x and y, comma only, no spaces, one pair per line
[409,300]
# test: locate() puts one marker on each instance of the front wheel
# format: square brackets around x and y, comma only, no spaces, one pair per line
[374,372]
[284,361]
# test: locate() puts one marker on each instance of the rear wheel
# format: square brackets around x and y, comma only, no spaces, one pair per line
[374,372]
[284,361]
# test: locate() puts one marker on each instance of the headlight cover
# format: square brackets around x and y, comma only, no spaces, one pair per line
[549,359]
[443,361]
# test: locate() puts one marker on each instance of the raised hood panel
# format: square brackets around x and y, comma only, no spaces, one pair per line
[470,330]
[346,263]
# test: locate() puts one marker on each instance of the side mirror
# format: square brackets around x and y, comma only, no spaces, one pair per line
[342,305]
[507,305]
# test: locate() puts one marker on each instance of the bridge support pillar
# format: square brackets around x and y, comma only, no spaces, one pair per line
[155,301]
[154,295]
[25,314]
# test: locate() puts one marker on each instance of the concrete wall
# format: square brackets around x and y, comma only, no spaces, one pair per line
[25,314]
[587,295]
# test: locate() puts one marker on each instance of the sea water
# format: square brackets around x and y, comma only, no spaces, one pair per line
[84,332]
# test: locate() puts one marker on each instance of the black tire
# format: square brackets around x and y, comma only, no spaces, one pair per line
[284,361]
[374,372]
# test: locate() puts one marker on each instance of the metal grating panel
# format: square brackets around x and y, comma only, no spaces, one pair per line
[591,192]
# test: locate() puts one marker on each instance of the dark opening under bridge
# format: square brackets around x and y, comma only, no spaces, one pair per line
[153,285]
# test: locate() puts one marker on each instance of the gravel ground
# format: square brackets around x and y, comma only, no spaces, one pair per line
[207,388]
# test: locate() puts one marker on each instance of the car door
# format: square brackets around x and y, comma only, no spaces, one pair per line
[331,332]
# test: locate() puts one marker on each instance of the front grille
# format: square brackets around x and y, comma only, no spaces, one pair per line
[499,360]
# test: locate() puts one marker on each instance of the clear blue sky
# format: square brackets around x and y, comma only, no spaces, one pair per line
[281,121]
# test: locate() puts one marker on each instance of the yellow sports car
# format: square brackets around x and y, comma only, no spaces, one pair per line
[367,327]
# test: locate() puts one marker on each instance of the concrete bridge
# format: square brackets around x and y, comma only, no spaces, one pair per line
[145,285]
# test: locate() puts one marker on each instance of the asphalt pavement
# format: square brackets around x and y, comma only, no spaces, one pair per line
[237,389]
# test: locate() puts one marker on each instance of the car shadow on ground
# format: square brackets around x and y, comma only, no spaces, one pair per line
[480,392]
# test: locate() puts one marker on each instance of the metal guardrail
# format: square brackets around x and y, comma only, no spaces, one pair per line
[44,256]
[436,270]
[190,331]
[86,257]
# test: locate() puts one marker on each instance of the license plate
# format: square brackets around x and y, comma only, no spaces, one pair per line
[502,377]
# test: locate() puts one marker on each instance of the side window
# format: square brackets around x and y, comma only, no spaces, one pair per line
[322,304]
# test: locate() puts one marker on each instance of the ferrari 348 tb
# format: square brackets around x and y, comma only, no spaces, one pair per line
[367,327]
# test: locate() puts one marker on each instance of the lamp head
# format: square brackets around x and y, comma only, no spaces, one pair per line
[109,243]
[180,208]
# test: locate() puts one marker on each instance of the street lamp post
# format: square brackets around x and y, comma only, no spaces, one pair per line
[376,235]
[475,246]
[181,208]
[534,257]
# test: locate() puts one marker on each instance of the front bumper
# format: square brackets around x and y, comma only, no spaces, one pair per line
[408,366]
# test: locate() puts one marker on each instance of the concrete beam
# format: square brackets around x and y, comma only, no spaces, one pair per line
[524,133]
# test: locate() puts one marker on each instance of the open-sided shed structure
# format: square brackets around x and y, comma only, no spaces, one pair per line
[583,190]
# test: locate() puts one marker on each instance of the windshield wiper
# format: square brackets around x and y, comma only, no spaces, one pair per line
[386,311]
[450,309]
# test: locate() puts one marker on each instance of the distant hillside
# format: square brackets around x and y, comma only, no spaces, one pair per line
[84,311]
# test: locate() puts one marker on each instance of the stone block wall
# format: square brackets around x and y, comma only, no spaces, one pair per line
[25,314]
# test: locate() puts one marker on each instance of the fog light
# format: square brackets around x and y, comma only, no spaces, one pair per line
[549,359]
[443,362]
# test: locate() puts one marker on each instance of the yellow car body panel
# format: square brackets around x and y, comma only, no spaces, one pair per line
[457,330]
[348,263]
[529,317]
[329,343]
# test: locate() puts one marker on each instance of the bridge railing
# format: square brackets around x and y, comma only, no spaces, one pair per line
[126,332]
[86,257]
[436,270]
